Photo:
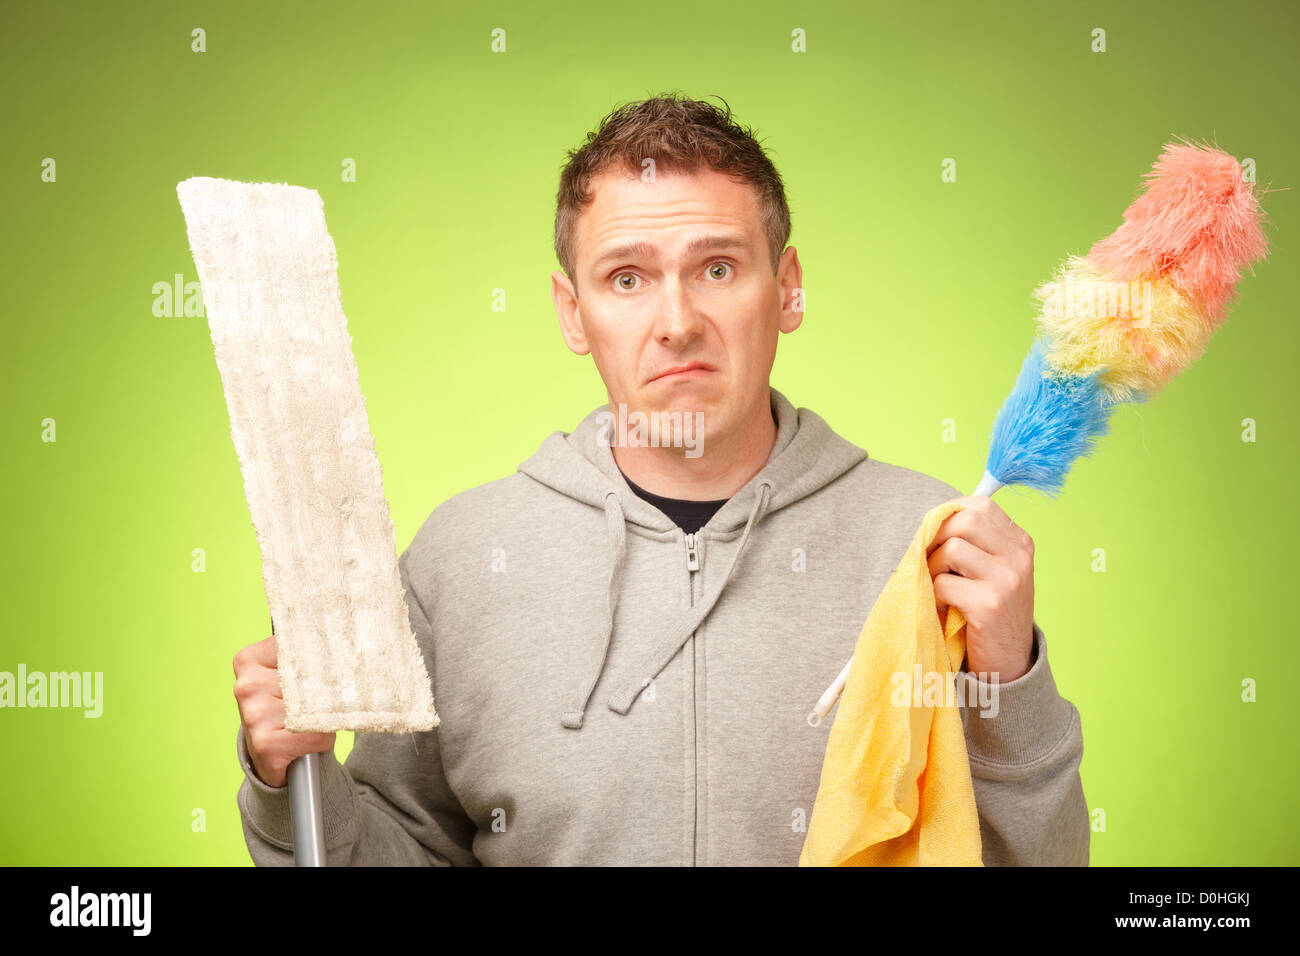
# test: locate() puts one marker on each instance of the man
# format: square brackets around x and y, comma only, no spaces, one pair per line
[626,638]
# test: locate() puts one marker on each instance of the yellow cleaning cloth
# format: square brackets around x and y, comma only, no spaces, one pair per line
[896,786]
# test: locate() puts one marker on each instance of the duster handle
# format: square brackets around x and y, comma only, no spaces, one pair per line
[988,484]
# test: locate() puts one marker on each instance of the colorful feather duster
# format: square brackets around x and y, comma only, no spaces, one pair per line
[1119,324]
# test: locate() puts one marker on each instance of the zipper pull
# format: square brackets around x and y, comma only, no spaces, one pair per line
[692,558]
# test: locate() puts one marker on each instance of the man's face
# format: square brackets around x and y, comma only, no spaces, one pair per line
[676,273]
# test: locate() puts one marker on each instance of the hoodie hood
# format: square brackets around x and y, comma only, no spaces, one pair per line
[806,456]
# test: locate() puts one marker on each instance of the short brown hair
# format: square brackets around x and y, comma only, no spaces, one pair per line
[680,135]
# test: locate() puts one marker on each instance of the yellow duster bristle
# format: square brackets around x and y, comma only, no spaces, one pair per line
[1140,333]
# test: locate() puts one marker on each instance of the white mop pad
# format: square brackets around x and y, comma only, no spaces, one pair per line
[347,657]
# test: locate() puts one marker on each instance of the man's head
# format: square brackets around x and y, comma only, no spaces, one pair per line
[671,225]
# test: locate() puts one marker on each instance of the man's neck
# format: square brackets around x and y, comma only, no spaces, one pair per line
[725,466]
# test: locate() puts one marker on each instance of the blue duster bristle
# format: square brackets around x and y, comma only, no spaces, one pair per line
[1045,424]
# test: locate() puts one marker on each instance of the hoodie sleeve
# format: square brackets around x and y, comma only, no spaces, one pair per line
[388,805]
[1025,771]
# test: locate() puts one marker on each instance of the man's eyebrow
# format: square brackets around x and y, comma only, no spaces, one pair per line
[643,250]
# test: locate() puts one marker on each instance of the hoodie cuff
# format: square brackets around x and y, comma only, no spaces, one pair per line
[267,811]
[1031,718]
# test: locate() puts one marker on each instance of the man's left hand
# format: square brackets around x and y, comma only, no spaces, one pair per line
[982,563]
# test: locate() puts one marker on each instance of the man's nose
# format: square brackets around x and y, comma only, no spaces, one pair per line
[677,319]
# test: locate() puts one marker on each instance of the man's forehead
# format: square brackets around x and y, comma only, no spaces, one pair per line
[710,205]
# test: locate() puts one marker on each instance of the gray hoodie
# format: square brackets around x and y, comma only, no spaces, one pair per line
[613,691]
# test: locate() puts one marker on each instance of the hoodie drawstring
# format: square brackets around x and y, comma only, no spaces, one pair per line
[572,717]
[621,701]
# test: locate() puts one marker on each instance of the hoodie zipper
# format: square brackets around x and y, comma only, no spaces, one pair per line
[692,569]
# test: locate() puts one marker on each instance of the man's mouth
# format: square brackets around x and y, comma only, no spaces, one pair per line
[682,373]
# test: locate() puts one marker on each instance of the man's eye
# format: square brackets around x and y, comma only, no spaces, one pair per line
[626,275]
[720,265]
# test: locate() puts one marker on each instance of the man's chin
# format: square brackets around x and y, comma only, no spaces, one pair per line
[685,404]
[677,418]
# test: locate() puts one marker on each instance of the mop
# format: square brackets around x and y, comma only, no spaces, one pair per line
[346,655]
[1114,326]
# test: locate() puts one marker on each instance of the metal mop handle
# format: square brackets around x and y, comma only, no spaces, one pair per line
[305,808]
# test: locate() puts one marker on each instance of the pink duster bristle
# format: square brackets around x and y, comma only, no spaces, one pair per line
[1196,223]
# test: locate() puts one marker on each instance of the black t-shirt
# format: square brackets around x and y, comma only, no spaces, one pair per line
[690,516]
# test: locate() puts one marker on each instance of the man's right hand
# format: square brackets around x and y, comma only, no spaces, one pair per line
[271,748]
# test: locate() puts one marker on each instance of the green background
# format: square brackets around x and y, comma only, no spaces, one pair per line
[920,309]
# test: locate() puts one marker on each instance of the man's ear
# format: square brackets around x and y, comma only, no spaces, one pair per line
[566,308]
[790,277]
